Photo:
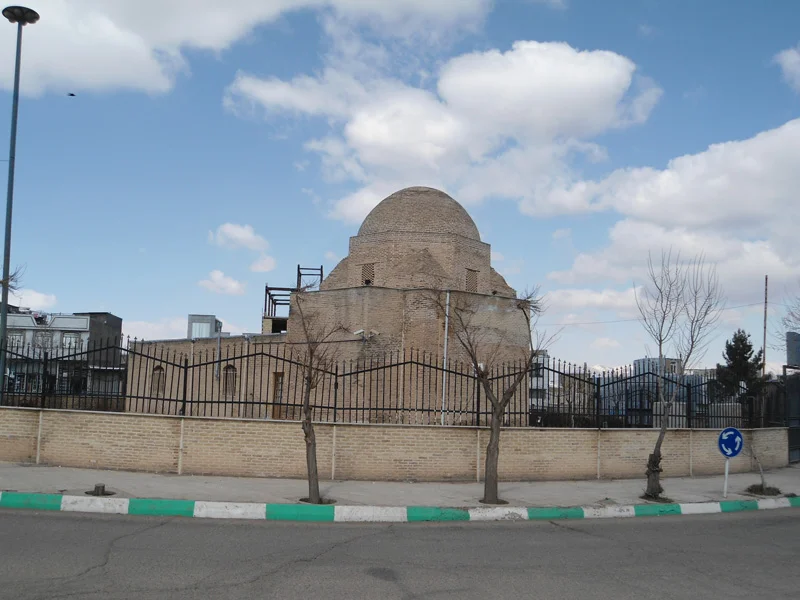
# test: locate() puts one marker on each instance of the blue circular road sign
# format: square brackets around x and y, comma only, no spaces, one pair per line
[730,442]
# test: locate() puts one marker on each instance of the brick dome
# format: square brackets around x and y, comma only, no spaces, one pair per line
[420,210]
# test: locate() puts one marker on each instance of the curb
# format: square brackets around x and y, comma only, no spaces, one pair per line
[367,514]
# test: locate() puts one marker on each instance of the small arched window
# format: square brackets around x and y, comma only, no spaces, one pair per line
[158,382]
[229,381]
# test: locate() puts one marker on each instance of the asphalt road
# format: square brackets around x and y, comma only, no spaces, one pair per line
[61,555]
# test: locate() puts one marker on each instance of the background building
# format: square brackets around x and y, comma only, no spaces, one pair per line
[204,326]
[76,353]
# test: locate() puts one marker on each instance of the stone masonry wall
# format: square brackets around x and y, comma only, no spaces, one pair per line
[253,448]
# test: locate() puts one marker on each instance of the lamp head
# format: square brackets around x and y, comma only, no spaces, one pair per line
[21,15]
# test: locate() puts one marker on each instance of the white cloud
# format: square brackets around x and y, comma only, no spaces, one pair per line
[163,329]
[571,299]
[231,235]
[560,234]
[34,300]
[645,30]
[734,202]
[231,328]
[219,283]
[789,61]
[497,257]
[332,257]
[605,342]
[263,264]
[495,124]
[80,44]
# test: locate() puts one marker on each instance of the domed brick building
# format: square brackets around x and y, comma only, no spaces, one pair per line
[396,354]
[412,244]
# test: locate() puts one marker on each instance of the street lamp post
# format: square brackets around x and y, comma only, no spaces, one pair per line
[20,16]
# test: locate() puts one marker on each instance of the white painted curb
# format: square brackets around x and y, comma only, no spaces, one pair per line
[110,506]
[229,510]
[370,514]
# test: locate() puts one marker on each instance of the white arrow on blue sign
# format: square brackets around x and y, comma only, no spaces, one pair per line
[731,442]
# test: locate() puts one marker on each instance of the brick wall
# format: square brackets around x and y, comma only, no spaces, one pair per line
[110,441]
[18,435]
[252,448]
[548,454]
[405,453]
[258,448]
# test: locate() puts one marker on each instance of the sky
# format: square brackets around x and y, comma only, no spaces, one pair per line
[212,147]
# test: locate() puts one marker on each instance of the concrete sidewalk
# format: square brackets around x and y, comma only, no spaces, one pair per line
[57,480]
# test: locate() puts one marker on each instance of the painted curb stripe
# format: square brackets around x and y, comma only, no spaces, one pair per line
[608,512]
[737,505]
[154,507]
[32,501]
[300,512]
[700,508]
[111,506]
[498,513]
[574,512]
[656,510]
[432,513]
[229,510]
[369,514]
[769,503]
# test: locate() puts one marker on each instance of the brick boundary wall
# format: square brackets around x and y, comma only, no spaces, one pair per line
[260,448]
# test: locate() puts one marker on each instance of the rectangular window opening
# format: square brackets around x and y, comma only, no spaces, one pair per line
[472,280]
[368,274]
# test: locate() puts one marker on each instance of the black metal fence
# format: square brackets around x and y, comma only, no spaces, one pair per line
[262,381]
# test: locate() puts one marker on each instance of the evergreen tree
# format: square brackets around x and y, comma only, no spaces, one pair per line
[742,366]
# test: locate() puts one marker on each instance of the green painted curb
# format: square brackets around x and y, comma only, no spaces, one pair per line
[656,510]
[31,501]
[300,512]
[161,508]
[737,505]
[575,512]
[155,507]
[431,513]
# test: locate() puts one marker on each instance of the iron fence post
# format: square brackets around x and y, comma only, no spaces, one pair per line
[478,405]
[44,379]
[688,406]
[185,384]
[597,402]
[335,392]
[750,411]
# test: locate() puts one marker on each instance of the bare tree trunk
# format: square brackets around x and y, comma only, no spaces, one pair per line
[490,494]
[311,447]
[654,489]
[760,470]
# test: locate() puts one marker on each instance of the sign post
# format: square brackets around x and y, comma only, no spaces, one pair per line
[730,443]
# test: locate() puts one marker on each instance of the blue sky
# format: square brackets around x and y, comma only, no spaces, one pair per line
[207,153]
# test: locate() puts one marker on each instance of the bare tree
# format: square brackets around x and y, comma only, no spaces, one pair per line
[679,308]
[484,348]
[791,317]
[317,356]
[14,280]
